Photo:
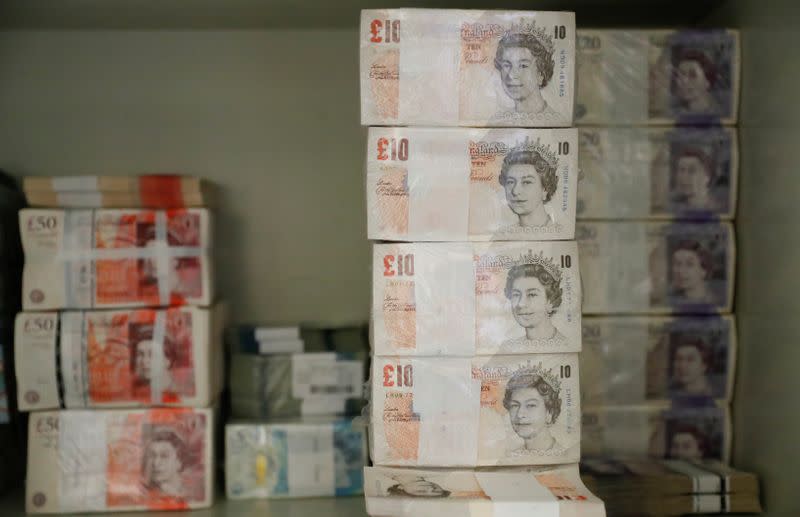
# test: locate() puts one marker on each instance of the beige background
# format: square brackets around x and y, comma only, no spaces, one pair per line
[271,116]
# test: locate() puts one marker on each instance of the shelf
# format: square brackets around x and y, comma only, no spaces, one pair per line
[285,14]
[12,505]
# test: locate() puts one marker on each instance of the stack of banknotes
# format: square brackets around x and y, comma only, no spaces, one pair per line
[301,457]
[657,247]
[638,487]
[657,77]
[119,358]
[120,460]
[86,259]
[292,385]
[476,306]
[524,491]
[119,351]
[252,339]
[145,191]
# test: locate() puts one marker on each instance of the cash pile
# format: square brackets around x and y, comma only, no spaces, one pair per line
[475,343]
[12,430]
[657,77]
[293,385]
[657,244]
[638,487]
[550,490]
[144,191]
[292,433]
[120,460]
[323,456]
[119,313]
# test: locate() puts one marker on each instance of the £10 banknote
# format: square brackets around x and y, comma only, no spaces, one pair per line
[119,358]
[481,411]
[119,460]
[458,184]
[449,67]
[513,492]
[465,299]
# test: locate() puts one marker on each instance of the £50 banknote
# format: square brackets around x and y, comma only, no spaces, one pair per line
[458,184]
[481,411]
[633,360]
[656,267]
[81,259]
[119,358]
[119,460]
[513,492]
[658,173]
[465,299]
[449,67]
[640,77]
[312,456]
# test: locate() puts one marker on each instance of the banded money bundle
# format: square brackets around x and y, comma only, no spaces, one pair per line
[119,460]
[658,431]
[459,184]
[141,191]
[81,259]
[658,173]
[643,487]
[481,411]
[119,358]
[656,268]
[251,339]
[522,492]
[657,77]
[304,458]
[437,67]
[633,360]
[463,299]
[290,385]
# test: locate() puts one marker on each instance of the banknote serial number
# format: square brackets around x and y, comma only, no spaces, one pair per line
[398,265]
[398,375]
[394,149]
[384,31]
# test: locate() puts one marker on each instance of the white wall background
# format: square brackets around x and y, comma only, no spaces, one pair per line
[270,116]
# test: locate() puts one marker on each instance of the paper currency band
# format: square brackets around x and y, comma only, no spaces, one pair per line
[160,252]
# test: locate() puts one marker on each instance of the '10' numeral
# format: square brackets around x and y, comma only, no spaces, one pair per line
[400,265]
[397,149]
[389,28]
[398,375]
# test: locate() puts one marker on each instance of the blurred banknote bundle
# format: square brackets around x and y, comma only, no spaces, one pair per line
[304,457]
[82,259]
[119,460]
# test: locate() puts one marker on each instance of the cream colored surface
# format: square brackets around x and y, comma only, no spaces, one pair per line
[769,251]
[272,117]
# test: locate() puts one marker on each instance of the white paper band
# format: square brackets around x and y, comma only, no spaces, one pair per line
[82,461]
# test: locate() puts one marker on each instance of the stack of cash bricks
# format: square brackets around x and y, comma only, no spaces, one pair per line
[476,287]
[655,202]
[294,392]
[118,347]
